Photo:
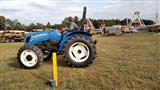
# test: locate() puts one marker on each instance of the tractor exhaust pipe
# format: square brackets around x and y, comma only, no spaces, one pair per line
[84,13]
[83,20]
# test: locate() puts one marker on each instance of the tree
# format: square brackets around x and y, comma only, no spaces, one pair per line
[18,26]
[148,22]
[95,23]
[2,22]
[8,24]
[23,27]
[14,24]
[117,22]
[123,22]
[109,22]
[39,26]
[31,26]
[64,23]
[55,26]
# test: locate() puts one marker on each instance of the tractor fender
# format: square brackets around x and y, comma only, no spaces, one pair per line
[68,36]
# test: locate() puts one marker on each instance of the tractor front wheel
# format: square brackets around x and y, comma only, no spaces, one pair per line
[79,51]
[29,56]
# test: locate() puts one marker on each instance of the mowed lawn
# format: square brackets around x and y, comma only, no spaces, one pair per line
[127,62]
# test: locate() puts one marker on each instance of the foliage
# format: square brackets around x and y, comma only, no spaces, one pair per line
[148,22]
[2,22]
[7,24]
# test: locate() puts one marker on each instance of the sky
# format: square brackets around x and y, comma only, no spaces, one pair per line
[54,11]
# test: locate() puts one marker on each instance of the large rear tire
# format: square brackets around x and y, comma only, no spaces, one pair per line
[80,51]
[30,56]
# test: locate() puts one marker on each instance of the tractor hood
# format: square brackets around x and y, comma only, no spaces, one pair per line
[35,37]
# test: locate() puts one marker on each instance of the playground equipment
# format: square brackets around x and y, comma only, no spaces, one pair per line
[136,21]
[76,45]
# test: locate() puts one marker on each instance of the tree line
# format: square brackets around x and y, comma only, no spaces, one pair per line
[7,24]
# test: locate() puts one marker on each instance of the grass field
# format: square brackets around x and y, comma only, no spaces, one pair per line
[127,62]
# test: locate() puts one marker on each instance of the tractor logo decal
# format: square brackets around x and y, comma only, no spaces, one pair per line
[37,36]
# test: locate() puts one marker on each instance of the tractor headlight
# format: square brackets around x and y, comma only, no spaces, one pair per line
[28,39]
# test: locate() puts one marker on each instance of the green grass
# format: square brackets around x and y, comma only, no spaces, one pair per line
[130,61]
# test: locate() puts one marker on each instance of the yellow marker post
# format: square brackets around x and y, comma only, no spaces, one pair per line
[55,74]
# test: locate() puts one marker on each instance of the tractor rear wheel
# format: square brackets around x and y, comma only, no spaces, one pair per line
[29,56]
[79,51]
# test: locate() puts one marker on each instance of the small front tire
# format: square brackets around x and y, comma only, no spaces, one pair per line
[30,56]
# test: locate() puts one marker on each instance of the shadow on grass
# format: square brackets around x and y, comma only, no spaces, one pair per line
[60,61]
[41,77]
[14,63]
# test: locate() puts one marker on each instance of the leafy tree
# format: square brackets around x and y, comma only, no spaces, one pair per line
[55,26]
[8,24]
[148,22]
[65,23]
[40,26]
[18,26]
[15,24]
[2,22]
[109,22]
[31,26]
[117,22]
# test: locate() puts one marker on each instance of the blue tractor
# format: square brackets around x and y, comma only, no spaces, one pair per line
[78,48]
